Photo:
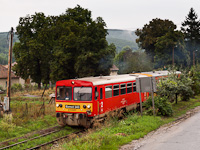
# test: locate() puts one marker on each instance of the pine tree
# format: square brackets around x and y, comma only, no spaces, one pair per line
[191,29]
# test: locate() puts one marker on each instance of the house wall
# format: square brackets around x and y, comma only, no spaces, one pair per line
[13,81]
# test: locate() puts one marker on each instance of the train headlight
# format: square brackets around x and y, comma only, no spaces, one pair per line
[60,105]
[88,106]
[84,106]
[57,105]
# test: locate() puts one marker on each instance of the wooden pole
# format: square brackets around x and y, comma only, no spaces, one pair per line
[9,66]
[173,57]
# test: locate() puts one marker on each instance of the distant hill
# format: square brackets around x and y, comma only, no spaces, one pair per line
[122,38]
[4,47]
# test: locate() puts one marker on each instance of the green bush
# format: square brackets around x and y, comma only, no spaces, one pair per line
[162,106]
[16,87]
[1,88]
[195,76]
[174,86]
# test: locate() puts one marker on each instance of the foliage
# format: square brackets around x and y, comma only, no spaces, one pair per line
[59,47]
[128,61]
[175,85]
[194,74]
[7,124]
[162,106]
[34,51]
[4,47]
[1,88]
[172,43]
[148,35]
[191,29]
[16,87]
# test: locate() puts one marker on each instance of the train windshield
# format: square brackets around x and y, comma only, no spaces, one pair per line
[82,93]
[64,93]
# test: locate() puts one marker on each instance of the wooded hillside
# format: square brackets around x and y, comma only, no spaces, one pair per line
[120,38]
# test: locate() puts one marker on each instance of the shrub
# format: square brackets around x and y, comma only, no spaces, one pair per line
[1,88]
[16,87]
[195,76]
[7,123]
[162,106]
[174,85]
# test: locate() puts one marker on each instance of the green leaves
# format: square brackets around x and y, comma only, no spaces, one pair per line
[61,47]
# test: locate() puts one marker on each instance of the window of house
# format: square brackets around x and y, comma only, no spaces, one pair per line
[116,90]
[108,91]
[123,88]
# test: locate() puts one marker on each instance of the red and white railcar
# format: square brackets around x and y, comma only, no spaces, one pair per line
[80,101]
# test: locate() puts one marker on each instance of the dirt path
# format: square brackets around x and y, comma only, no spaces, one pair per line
[161,137]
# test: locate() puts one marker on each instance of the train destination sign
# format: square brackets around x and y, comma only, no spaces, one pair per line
[72,106]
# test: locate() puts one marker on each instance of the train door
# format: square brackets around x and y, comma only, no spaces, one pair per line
[101,102]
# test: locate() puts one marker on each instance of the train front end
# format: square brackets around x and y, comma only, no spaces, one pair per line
[74,104]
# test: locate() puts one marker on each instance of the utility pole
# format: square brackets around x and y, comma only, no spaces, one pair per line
[9,66]
[173,57]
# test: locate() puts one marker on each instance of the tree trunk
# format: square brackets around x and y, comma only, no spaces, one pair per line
[39,86]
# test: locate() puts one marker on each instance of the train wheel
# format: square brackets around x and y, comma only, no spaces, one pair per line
[61,121]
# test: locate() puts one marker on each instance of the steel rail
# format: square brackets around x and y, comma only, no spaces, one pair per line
[29,139]
[47,143]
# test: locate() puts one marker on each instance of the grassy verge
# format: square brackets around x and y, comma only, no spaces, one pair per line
[28,114]
[33,143]
[117,133]
[10,130]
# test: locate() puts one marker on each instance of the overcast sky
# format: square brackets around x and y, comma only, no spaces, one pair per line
[118,14]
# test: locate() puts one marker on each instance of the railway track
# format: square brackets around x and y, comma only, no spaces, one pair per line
[37,137]
[55,140]
[46,132]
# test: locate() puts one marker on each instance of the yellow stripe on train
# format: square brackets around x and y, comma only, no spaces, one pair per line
[73,107]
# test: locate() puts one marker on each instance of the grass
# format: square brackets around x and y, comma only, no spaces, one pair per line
[33,143]
[32,125]
[27,115]
[119,132]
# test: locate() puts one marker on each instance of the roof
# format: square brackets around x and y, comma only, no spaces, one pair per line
[114,68]
[6,66]
[111,79]
[123,78]
[4,73]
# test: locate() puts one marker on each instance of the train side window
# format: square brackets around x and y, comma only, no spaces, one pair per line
[129,87]
[101,93]
[95,93]
[123,89]
[108,91]
[134,87]
[116,90]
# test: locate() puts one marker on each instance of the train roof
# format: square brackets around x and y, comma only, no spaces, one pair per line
[100,80]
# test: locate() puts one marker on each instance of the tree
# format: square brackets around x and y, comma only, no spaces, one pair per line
[148,35]
[191,29]
[34,51]
[170,48]
[60,47]
[81,49]
[128,61]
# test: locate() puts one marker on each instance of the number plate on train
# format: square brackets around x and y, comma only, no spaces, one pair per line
[72,106]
